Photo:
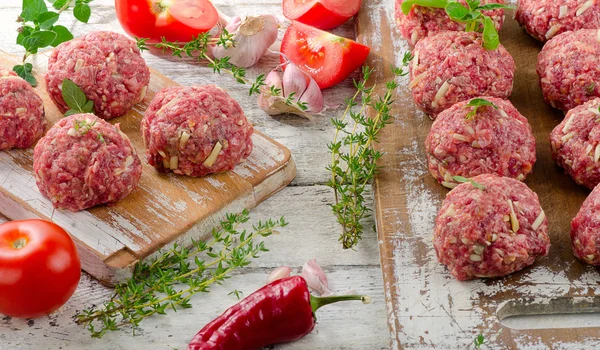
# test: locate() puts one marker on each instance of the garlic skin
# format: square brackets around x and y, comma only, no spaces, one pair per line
[315,277]
[279,273]
[252,38]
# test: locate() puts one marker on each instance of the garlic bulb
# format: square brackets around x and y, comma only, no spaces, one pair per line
[252,38]
[295,81]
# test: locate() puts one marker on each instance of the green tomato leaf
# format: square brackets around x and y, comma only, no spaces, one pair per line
[46,19]
[489,7]
[491,40]
[32,8]
[408,4]
[82,12]
[62,35]
[456,11]
[74,97]
[24,71]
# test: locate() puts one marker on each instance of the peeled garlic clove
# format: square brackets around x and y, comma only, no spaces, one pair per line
[279,273]
[294,81]
[315,277]
[313,97]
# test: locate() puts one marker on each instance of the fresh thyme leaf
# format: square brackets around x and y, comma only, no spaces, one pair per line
[237,293]
[408,4]
[24,71]
[169,280]
[75,97]
[461,179]
[141,44]
[476,103]
[479,341]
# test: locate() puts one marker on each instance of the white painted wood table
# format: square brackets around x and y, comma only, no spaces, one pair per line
[312,233]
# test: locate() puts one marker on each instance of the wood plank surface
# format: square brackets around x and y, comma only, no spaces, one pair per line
[312,233]
[427,307]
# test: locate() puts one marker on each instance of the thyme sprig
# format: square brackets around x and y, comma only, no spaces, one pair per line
[198,48]
[169,280]
[353,158]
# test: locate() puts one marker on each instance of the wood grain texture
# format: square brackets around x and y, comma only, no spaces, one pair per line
[427,307]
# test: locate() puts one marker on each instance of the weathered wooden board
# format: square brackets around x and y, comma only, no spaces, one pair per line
[164,209]
[427,307]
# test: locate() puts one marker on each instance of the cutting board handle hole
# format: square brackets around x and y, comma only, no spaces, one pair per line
[557,313]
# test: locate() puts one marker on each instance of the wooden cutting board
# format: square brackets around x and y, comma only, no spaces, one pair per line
[163,210]
[427,307]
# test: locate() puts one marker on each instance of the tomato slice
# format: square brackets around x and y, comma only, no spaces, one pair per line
[323,14]
[328,58]
[175,20]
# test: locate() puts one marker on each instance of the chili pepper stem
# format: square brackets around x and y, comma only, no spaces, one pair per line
[317,302]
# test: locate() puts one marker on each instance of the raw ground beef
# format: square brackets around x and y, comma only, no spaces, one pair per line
[576,144]
[569,70]
[22,117]
[544,19]
[495,141]
[84,161]
[585,230]
[195,131]
[107,66]
[490,232]
[450,67]
[422,22]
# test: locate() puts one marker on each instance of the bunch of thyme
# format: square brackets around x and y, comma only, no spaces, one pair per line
[198,48]
[169,280]
[353,158]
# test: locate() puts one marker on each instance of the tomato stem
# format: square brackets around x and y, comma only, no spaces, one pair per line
[19,243]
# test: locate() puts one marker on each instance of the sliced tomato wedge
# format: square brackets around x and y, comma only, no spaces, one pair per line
[323,14]
[175,20]
[328,58]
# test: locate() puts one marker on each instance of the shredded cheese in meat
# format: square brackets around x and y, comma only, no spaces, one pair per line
[441,93]
[568,124]
[584,7]
[417,80]
[538,221]
[563,11]
[568,136]
[213,155]
[415,60]
[597,153]
[514,221]
[552,31]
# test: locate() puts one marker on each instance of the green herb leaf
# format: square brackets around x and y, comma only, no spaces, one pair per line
[237,293]
[477,103]
[59,4]
[457,12]
[24,32]
[489,7]
[491,39]
[75,98]
[46,19]
[62,35]
[408,4]
[82,12]
[32,9]
[24,71]
[479,341]
[473,4]
[39,40]
[461,179]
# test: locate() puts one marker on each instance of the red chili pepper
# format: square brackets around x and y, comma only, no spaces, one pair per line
[281,311]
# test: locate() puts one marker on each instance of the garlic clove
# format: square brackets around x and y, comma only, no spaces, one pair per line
[234,24]
[313,97]
[279,273]
[315,277]
[273,79]
[294,81]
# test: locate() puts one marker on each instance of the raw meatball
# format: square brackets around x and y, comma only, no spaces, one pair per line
[84,161]
[450,67]
[195,131]
[107,66]
[22,117]
[490,232]
[423,21]
[568,69]
[543,19]
[585,230]
[576,144]
[494,141]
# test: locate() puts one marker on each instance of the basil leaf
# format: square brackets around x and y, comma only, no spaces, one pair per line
[24,71]
[82,12]
[62,35]
[488,7]
[32,8]
[408,4]
[74,97]
[456,11]
[88,107]
[473,4]
[491,40]
[46,19]
[478,102]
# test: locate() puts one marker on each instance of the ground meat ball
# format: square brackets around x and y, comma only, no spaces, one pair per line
[568,69]
[22,118]
[494,141]
[422,22]
[576,144]
[544,19]
[195,131]
[107,66]
[84,161]
[450,67]
[585,230]
[490,232]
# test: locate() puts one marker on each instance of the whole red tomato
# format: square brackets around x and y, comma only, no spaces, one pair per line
[175,20]
[39,268]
